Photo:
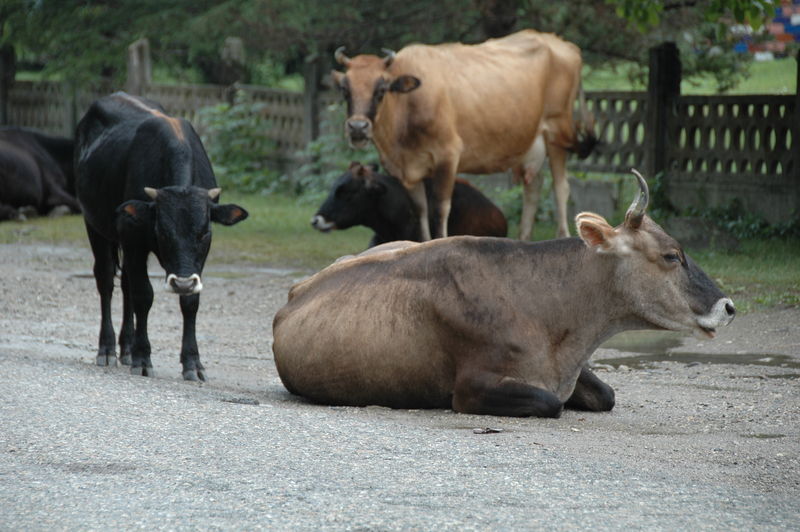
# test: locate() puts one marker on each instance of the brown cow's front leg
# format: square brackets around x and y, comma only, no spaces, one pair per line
[591,393]
[417,193]
[444,179]
[497,395]
[558,167]
[532,189]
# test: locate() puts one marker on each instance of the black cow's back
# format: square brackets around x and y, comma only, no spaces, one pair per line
[124,144]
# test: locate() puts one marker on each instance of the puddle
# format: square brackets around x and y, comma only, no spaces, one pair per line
[647,361]
[764,436]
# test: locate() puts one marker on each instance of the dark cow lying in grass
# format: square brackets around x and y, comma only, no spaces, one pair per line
[488,325]
[36,174]
[362,196]
[146,186]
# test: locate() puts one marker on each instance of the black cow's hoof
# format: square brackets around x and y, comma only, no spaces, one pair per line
[194,375]
[125,358]
[144,371]
[107,359]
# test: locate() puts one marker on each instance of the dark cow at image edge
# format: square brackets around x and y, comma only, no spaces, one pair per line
[36,174]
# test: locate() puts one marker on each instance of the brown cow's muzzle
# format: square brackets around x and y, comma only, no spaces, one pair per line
[358,131]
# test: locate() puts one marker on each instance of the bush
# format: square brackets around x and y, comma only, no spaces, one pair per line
[238,148]
[326,158]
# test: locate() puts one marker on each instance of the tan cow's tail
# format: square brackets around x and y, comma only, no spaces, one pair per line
[585,137]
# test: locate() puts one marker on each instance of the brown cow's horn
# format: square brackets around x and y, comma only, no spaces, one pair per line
[390,55]
[151,192]
[340,58]
[214,193]
[635,214]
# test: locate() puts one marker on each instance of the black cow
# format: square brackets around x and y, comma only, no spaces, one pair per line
[146,185]
[35,173]
[362,196]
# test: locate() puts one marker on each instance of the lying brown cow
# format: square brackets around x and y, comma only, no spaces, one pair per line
[433,111]
[488,325]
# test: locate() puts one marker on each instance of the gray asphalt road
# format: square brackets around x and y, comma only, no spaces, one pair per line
[691,444]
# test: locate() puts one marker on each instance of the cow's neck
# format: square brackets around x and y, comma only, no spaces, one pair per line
[575,297]
[395,218]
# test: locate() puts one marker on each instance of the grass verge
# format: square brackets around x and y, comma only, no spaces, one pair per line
[760,274]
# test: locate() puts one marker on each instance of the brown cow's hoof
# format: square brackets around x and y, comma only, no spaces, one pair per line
[194,375]
[144,371]
[106,359]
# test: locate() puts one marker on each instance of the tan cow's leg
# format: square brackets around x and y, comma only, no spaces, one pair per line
[558,166]
[417,193]
[530,175]
[531,193]
[444,179]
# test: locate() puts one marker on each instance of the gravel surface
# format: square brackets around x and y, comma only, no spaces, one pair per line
[705,434]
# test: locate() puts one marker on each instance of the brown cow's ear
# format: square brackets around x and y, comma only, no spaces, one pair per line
[595,231]
[404,84]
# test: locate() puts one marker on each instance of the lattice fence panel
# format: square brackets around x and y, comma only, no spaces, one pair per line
[619,123]
[731,135]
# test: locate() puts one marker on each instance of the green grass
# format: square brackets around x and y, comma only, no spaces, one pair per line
[762,273]
[767,77]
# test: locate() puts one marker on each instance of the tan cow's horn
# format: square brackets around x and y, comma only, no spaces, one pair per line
[635,214]
[340,58]
[390,55]
[151,192]
[214,193]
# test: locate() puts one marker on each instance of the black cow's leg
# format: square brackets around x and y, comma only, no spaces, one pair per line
[493,394]
[190,356]
[141,296]
[591,393]
[104,265]
[126,334]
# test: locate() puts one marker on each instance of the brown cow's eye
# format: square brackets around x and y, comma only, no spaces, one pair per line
[672,257]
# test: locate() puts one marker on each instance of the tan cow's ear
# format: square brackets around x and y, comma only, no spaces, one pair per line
[595,230]
[337,78]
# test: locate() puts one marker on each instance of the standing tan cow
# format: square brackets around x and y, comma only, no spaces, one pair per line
[438,110]
[489,325]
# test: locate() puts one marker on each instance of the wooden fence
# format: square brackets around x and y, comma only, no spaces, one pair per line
[708,150]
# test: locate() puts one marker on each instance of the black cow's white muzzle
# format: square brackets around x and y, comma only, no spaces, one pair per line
[319,223]
[184,286]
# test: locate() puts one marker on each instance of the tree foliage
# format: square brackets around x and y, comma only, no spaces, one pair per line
[86,39]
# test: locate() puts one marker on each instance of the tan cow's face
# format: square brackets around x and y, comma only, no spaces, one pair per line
[364,84]
[664,286]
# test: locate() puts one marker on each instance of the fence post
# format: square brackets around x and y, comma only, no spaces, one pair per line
[8,71]
[663,86]
[139,71]
[312,77]
[796,138]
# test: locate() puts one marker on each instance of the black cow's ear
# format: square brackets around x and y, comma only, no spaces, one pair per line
[133,215]
[227,214]
[404,83]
